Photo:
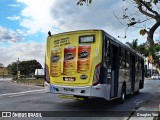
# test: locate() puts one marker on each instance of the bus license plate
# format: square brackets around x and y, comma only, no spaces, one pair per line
[68,89]
[69,78]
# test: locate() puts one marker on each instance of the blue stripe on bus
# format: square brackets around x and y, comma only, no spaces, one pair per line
[52,88]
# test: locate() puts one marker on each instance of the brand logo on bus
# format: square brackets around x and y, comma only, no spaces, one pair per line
[84,54]
[55,58]
[69,56]
[83,77]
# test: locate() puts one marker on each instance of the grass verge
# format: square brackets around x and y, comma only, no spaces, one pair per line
[38,82]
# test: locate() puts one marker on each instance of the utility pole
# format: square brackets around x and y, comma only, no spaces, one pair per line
[17,67]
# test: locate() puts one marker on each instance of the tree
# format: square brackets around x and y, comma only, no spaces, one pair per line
[80,2]
[12,68]
[1,65]
[143,49]
[148,9]
[25,67]
[133,44]
[149,52]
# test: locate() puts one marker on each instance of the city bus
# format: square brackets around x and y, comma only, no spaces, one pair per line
[92,63]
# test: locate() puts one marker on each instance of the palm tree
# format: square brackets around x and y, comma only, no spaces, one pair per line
[133,44]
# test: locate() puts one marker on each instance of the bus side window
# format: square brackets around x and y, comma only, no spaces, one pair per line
[122,58]
[106,44]
[108,54]
[128,60]
[108,47]
[137,64]
[140,64]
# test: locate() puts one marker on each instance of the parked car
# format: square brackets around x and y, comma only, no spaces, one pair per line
[155,76]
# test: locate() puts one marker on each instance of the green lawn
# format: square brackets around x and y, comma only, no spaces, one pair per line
[38,82]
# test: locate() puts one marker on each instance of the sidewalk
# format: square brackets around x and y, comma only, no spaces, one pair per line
[5,79]
[149,110]
[149,78]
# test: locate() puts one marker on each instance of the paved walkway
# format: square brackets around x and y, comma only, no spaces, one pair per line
[148,111]
[5,78]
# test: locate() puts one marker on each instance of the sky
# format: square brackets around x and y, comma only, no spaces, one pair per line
[24,24]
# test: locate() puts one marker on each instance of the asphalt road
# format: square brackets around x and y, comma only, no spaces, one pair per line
[18,97]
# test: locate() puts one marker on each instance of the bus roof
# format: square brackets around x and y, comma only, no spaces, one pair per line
[108,35]
[77,31]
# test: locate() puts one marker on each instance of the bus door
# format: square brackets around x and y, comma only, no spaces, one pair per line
[143,72]
[114,70]
[133,72]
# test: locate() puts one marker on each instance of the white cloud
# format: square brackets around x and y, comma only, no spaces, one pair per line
[8,35]
[23,51]
[60,16]
[21,32]
[37,16]
[14,18]
[14,5]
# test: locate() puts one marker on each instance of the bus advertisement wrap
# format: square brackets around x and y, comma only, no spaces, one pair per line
[71,58]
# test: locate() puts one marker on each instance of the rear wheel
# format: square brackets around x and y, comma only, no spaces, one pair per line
[137,92]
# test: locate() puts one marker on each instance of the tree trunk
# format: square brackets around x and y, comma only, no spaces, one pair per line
[151,33]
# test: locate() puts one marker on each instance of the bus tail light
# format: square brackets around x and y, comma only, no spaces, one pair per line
[96,74]
[46,80]
[47,74]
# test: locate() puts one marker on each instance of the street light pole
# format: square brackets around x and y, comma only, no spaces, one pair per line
[17,67]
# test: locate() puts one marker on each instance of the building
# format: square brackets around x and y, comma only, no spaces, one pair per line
[3,70]
[151,68]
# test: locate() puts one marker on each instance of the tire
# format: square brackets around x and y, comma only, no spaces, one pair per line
[137,92]
[123,95]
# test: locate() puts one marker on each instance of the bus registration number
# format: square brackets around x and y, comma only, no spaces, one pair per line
[69,78]
[69,89]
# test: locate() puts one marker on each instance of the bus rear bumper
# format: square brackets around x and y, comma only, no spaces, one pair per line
[88,91]
[70,90]
[46,87]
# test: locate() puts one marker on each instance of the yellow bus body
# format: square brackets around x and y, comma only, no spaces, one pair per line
[70,39]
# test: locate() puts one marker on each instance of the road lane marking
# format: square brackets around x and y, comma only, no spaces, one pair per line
[16,95]
[138,101]
[7,94]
